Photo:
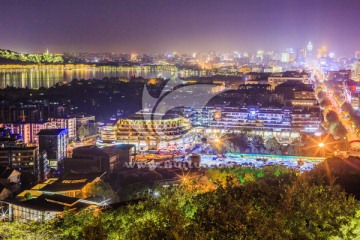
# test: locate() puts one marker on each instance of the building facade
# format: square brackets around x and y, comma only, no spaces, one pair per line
[169,131]
[54,142]
[68,123]
[21,158]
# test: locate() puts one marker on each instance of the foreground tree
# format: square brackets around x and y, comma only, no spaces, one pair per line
[242,203]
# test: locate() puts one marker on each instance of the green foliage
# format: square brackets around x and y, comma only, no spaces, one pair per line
[31,58]
[100,188]
[82,132]
[28,195]
[28,231]
[332,117]
[248,203]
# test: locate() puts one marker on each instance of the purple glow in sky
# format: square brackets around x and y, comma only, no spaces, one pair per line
[178,25]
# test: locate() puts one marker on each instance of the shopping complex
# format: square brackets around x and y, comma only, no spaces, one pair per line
[182,131]
[170,131]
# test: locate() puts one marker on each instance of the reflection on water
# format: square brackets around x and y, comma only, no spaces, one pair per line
[36,78]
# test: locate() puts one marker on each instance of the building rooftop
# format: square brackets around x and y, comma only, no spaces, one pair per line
[52,132]
[140,116]
[6,172]
[71,182]
[51,203]
[88,151]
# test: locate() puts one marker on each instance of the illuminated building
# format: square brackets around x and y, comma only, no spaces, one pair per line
[285,57]
[134,57]
[339,76]
[40,209]
[357,55]
[84,120]
[28,131]
[23,129]
[351,91]
[260,55]
[274,121]
[301,55]
[356,70]
[54,142]
[279,78]
[21,158]
[68,123]
[53,197]
[303,102]
[72,185]
[170,131]
[304,98]
[291,53]
[309,50]
[322,52]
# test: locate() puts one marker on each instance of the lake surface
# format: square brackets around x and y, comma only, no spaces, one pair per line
[36,78]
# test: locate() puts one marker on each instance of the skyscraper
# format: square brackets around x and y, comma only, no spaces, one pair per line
[309,50]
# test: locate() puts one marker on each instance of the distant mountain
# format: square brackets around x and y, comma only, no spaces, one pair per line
[11,57]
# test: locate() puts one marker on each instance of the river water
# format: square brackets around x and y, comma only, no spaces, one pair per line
[36,78]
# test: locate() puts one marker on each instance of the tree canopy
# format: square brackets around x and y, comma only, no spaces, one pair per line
[237,203]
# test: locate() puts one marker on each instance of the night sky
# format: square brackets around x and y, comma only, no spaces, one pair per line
[182,25]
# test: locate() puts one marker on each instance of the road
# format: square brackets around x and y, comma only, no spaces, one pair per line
[260,160]
[336,104]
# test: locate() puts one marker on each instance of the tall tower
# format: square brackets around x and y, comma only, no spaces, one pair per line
[309,50]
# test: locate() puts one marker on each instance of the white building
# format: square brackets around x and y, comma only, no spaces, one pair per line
[27,130]
[279,78]
[68,123]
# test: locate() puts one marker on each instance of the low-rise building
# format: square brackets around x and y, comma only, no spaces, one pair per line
[84,120]
[94,159]
[72,185]
[351,91]
[21,158]
[28,131]
[68,123]
[43,208]
[279,78]
[268,119]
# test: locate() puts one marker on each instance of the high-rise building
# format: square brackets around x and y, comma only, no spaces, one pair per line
[301,55]
[309,50]
[357,55]
[285,57]
[356,70]
[54,142]
[322,52]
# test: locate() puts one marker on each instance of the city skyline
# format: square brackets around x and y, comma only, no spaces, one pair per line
[186,27]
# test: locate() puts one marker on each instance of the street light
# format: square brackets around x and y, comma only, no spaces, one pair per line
[321,146]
